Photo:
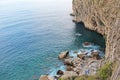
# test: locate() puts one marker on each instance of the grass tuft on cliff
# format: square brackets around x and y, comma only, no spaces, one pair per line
[105,72]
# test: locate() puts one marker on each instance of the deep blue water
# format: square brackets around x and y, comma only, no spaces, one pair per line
[33,33]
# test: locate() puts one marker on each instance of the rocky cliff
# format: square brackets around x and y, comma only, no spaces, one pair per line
[102,16]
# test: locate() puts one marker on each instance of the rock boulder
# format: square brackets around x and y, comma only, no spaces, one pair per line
[60,72]
[68,62]
[81,56]
[63,55]
[95,55]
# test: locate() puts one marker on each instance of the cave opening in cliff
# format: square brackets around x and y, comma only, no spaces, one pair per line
[91,36]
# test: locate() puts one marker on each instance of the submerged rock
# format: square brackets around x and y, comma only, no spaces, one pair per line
[75,52]
[86,43]
[63,55]
[46,77]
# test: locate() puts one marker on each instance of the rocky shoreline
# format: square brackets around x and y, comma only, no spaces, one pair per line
[103,17]
[82,63]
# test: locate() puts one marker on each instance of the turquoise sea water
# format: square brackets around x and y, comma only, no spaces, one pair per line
[33,33]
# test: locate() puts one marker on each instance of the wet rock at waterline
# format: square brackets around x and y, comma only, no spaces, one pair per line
[60,72]
[95,55]
[63,55]
[86,44]
[75,52]
[68,62]
[81,56]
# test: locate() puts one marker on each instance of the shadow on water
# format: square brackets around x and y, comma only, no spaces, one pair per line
[87,35]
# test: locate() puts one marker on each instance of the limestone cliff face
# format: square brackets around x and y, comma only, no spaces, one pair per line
[102,16]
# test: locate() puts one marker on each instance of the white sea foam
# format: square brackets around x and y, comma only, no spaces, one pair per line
[78,34]
[71,53]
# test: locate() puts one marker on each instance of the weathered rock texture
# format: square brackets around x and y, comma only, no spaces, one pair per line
[102,16]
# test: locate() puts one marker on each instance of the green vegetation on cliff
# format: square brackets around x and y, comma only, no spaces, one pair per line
[103,73]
